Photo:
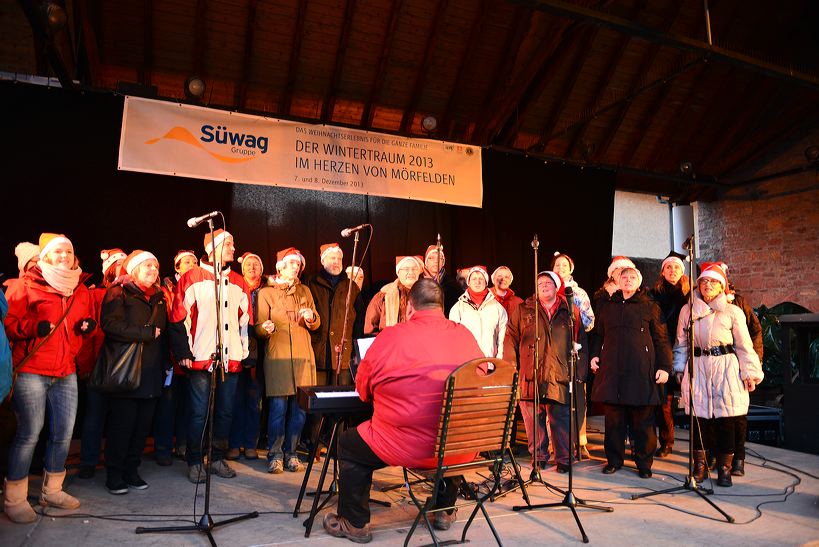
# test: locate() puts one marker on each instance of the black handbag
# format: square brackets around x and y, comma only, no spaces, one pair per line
[119,369]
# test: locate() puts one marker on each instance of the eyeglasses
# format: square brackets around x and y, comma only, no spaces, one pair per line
[709,281]
[408,270]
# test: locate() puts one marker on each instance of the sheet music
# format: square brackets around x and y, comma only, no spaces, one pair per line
[336,394]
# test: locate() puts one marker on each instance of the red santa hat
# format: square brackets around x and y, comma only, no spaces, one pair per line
[135,259]
[432,248]
[290,253]
[499,268]
[618,263]
[673,258]
[49,241]
[555,279]
[247,255]
[219,236]
[715,270]
[329,248]
[24,252]
[557,255]
[110,257]
[182,254]
[481,270]
[401,261]
[359,272]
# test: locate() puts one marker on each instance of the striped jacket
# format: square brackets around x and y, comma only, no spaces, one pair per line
[195,299]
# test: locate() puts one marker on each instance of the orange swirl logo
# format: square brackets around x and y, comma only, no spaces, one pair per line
[241,143]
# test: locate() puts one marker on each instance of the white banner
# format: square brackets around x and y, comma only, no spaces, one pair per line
[197,142]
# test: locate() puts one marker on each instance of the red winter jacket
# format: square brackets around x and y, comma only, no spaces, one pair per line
[31,301]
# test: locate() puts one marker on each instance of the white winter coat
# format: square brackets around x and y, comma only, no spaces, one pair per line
[719,389]
[487,322]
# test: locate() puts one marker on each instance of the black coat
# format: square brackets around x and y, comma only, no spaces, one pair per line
[671,299]
[553,350]
[632,345]
[330,308]
[126,318]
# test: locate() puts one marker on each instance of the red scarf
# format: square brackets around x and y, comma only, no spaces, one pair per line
[552,310]
[477,297]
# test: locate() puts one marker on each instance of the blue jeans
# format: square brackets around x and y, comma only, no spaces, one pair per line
[284,425]
[244,432]
[171,416]
[198,394]
[559,431]
[34,396]
[96,410]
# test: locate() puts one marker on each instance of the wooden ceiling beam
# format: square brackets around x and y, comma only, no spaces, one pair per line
[145,71]
[742,115]
[601,89]
[52,46]
[804,115]
[240,92]
[639,77]
[88,41]
[457,92]
[502,69]
[746,62]
[295,52]
[383,62]
[199,38]
[567,89]
[506,107]
[328,103]
[421,75]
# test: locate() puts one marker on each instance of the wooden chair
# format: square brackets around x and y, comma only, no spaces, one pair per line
[476,418]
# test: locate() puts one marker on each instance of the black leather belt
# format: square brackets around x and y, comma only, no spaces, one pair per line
[715,351]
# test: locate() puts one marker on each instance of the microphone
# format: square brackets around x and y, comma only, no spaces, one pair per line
[347,232]
[193,222]
[688,243]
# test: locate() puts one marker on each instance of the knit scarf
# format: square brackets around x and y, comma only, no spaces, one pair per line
[64,281]
[477,298]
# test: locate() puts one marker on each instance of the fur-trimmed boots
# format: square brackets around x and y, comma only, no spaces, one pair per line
[53,494]
[15,502]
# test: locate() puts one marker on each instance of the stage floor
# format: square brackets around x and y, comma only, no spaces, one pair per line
[776,503]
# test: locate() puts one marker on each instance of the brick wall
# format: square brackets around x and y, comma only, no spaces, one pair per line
[771,241]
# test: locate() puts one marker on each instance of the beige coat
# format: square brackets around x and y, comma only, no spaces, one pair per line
[288,361]
[719,389]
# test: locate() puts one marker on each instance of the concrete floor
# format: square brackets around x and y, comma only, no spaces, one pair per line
[772,505]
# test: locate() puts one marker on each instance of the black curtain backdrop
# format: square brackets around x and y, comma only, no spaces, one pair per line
[61,176]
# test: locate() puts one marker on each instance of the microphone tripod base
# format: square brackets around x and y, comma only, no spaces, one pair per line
[690,485]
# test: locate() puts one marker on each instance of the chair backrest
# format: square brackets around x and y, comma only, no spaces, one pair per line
[478,408]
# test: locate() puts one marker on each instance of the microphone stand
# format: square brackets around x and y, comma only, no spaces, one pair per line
[332,444]
[206,524]
[690,483]
[569,499]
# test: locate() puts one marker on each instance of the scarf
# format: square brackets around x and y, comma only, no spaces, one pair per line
[551,310]
[503,298]
[333,280]
[477,297]
[63,281]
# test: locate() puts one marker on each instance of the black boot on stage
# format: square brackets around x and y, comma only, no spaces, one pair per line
[699,465]
[724,469]
[738,468]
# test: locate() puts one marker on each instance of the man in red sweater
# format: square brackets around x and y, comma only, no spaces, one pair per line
[403,374]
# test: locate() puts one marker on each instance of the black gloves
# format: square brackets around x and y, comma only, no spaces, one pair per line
[43,328]
[84,326]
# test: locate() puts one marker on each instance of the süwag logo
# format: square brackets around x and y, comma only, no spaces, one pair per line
[242,146]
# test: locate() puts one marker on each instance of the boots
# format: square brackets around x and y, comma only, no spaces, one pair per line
[53,494]
[724,469]
[738,468]
[699,466]
[15,502]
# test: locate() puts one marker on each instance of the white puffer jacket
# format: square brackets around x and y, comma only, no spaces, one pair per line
[487,322]
[719,388]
